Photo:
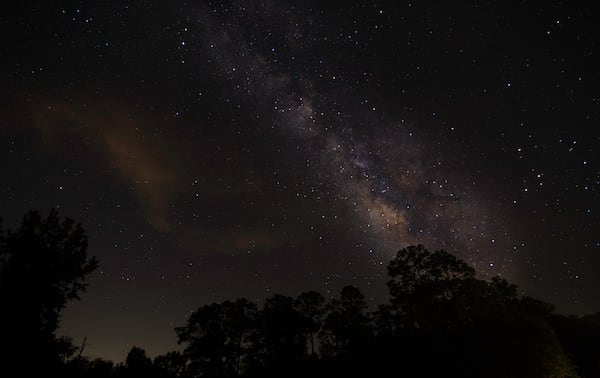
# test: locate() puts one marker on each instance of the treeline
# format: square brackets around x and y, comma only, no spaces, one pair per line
[440,321]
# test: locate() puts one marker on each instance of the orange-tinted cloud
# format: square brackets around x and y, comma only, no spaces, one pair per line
[140,159]
[159,170]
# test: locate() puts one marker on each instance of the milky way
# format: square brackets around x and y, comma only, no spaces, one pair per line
[397,190]
[215,150]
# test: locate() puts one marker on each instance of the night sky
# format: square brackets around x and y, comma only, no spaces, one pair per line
[216,150]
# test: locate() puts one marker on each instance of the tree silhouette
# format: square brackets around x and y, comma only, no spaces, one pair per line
[170,365]
[441,321]
[217,337]
[310,305]
[281,337]
[346,326]
[137,363]
[81,366]
[421,281]
[98,368]
[43,266]
[470,327]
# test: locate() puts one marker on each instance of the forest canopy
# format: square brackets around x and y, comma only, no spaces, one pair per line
[440,320]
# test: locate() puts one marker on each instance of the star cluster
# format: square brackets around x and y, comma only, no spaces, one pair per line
[215,150]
